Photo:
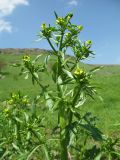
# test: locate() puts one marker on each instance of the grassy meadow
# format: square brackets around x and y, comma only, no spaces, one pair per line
[107,80]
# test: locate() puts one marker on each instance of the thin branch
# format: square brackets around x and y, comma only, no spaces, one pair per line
[52,46]
[60,48]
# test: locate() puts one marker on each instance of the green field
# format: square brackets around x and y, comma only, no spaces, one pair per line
[107,80]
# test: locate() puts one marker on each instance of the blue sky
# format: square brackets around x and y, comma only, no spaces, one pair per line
[20,20]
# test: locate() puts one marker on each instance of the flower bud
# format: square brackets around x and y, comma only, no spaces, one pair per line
[43,26]
[10,101]
[88,42]
[69,16]
[60,20]
[80,27]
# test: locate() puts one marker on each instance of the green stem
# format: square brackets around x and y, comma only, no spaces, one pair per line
[61,118]
[17,124]
[62,121]
[18,133]
[36,79]
[62,34]
[52,46]
[65,139]
[64,151]
[76,96]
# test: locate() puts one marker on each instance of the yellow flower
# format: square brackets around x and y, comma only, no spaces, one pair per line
[78,71]
[26,58]
[60,20]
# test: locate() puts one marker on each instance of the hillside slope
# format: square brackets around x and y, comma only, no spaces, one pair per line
[107,80]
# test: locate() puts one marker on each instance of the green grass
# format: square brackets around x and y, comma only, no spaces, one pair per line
[108,111]
[107,79]
[11,80]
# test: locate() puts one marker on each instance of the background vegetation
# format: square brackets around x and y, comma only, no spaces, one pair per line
[107,80]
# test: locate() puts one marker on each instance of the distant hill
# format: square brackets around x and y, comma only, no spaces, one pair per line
[23,51]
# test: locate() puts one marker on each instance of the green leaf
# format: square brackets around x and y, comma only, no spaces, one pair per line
[99,156]
[80,103]
[32,152]
[116,153]
[59,80]
[66,60]
[58,37]
[47,59]
[81,100]
[95,69]
[56,105]
[18,120]
[56,42]
[49,101]
[36,59]
[62,122]
[56,15]
[67,81]
[15,65]
[7,152]
[69,74]
[27,75]
[15,147]
[26,117]
[46,153]
[36,75]
[54,72]
[28,135]
[70,93]
[33,80]
[72,139]
[93,131]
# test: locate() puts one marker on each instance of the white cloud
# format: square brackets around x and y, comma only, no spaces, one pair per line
[73,2]
[6,8]
[5,26]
